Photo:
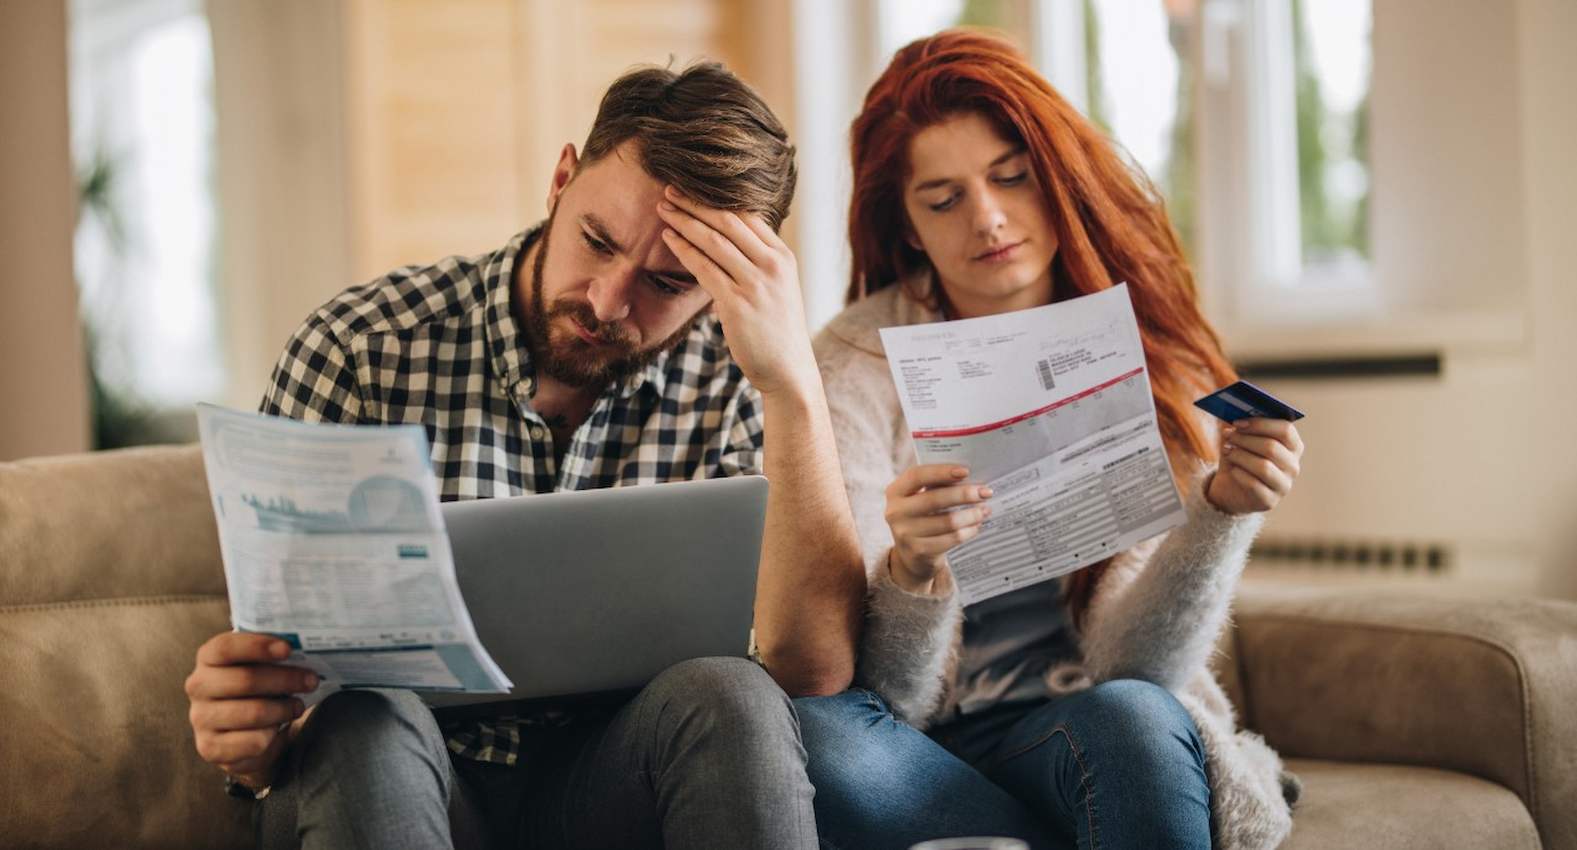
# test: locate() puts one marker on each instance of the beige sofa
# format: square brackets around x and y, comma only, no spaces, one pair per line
[1413,723]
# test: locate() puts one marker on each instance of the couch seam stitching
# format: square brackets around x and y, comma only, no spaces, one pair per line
[130,601]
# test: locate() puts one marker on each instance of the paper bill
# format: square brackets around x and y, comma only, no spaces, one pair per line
[1052,408]
[332,539]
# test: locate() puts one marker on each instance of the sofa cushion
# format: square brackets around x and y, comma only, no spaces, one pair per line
[134,522]
[96,749]
[110,579]
[1404,808]
[1483,687]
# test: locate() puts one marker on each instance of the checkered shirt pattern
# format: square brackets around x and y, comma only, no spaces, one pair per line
[439,346]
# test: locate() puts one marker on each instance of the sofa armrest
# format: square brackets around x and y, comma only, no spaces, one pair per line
[1481,686]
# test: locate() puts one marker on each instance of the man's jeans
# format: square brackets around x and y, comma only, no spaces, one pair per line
[707,755]
[1117,766]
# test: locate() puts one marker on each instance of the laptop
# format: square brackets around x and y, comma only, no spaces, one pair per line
[590,592]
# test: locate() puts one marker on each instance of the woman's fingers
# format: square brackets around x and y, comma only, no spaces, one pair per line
[1260,470]
[1266,447]
[1280,430]
[937,545]
[916,478]
[935,500]
[940,524]
[1266,498]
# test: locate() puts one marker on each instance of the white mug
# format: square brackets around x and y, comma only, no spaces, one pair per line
[979,842]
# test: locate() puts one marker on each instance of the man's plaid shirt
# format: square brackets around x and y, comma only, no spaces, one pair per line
[439,346]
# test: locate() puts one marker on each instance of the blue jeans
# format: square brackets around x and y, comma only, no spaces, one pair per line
[1119,765]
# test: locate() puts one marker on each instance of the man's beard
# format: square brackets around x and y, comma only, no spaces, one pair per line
[573,361]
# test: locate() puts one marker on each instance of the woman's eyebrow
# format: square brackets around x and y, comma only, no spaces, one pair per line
[942,181]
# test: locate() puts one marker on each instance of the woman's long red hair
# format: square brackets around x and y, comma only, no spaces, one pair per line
[1111,224]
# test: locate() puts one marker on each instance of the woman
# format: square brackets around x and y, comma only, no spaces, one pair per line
[1073,712]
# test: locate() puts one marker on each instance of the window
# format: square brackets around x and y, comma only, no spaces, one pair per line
[1250,116]
[902,21]
[143,126]
[1286,94]
[1331,64]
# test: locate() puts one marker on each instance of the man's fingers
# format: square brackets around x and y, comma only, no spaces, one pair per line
[229,748]
[235,715]
[249,681]
[717,247]
[242,648]
[732,226]
[711,278]
[764,231]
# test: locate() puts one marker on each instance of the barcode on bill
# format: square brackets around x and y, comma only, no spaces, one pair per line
[1044,367]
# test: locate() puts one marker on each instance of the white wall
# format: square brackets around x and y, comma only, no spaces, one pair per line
[1543,433]
[285,241]
[1481,457]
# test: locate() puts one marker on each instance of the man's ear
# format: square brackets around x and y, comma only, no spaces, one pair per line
[562,174]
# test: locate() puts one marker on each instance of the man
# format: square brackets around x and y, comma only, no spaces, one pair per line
[652,329]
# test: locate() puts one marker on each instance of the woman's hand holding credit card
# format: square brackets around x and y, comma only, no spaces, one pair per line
[1261,449]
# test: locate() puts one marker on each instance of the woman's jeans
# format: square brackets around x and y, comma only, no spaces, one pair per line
[1116,766]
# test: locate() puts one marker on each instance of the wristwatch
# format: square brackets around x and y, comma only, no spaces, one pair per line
[235,788]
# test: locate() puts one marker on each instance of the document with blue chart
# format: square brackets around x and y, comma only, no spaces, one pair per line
[1051,407]
[332,539]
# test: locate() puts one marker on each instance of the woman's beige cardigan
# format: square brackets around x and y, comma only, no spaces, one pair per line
[1156,615]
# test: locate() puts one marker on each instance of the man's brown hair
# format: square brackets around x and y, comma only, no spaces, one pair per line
[703,130]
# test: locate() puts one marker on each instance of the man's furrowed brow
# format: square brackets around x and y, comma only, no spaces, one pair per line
[679,276]
[600,230]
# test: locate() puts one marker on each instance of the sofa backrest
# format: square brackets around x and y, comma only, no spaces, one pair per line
[110,579]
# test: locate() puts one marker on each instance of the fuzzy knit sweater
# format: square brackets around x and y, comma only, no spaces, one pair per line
[1156,614]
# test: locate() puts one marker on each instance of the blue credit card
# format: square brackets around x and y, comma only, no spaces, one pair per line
[1243,400]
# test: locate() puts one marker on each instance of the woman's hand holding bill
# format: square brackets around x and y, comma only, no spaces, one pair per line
[931,509]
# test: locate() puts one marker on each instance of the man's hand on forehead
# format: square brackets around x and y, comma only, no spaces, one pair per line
[754,282]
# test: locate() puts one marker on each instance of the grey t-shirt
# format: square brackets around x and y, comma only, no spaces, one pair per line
[1009,643]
